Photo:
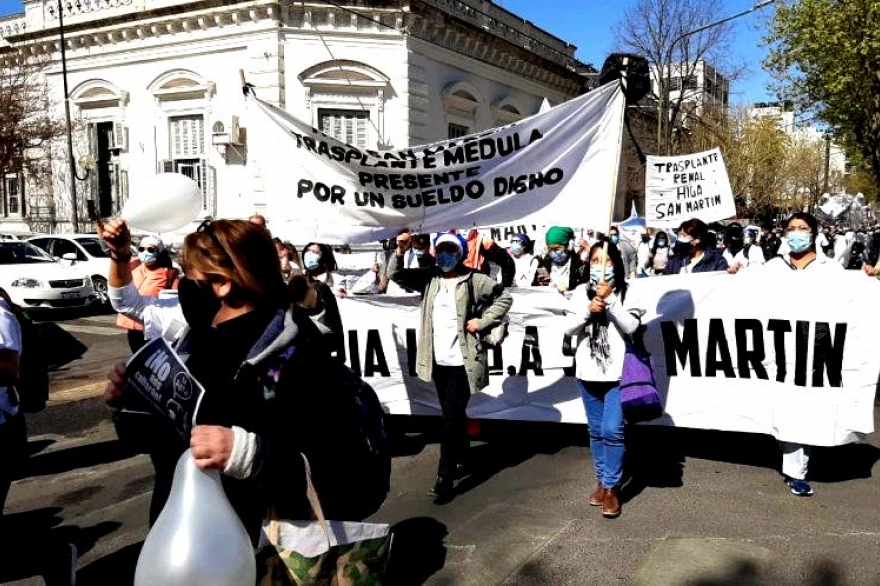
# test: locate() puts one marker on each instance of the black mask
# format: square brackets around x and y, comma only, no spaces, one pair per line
[198,302]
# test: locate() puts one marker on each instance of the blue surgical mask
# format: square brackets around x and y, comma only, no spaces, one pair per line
[148,258]
[559,256]
[596,274]
[418,252]
[516,248]
[799,241]
[447,261]
[312,260]
[614,239]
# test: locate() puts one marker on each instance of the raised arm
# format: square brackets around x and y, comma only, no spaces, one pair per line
[413,279]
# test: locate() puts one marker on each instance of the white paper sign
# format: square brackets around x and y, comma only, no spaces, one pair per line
[687,186]
[795,367]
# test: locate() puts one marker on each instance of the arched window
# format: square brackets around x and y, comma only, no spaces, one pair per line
[101,105]
[461,104]
[183,98]
[507,110]
[347,101]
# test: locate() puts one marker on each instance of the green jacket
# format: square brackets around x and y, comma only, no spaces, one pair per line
[487,293]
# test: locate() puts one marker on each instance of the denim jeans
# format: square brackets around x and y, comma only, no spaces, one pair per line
[605,418]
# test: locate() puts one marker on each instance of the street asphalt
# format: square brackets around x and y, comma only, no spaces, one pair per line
[701,508]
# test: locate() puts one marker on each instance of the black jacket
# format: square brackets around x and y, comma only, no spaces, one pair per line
[297,413]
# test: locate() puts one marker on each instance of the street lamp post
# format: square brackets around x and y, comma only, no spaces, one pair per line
[74,176]
[680,38]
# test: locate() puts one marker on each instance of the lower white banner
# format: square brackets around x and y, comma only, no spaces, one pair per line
[758,353]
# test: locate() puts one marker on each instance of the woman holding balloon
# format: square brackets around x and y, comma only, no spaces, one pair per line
[239,327]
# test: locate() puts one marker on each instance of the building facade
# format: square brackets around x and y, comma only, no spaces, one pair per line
[156,86]
[698,85]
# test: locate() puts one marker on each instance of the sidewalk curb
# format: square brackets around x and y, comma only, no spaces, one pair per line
[79,393]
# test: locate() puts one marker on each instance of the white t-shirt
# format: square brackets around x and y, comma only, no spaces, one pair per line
[560,274]
[10,339]
[526,266]
[444,320]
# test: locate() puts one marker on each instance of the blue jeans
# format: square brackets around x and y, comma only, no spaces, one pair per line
[605,418]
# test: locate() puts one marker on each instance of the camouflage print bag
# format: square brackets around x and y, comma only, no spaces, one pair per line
[321,552]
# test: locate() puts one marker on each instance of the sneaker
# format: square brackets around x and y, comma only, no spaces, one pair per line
[799,487]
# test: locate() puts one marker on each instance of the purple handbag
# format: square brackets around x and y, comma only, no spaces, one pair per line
[639,398]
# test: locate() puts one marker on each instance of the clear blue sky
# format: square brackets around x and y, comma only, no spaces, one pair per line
[589,25]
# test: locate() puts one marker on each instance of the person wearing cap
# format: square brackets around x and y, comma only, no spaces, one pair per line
[560,268]
[450,351]
[524,261]
[154,273]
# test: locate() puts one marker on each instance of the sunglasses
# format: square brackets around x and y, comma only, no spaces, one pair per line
[147,249]
[207,227]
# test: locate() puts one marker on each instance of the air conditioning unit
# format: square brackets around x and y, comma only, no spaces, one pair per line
[119,137]
[226,131]
[165,166]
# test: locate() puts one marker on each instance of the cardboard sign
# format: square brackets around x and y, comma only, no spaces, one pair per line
[687,186]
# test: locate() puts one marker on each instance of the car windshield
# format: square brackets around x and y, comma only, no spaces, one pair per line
[16,253]
[94,247]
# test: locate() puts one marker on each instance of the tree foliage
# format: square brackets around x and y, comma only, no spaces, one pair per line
[26,120]
[826,55]
[656,29]
[770,170]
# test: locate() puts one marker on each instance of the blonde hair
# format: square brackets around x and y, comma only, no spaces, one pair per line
[244,253]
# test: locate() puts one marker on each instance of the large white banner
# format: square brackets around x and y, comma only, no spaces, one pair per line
[727,356]
[687,186]
[545,169]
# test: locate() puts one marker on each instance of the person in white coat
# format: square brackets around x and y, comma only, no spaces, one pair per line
[801,230]
[598,314]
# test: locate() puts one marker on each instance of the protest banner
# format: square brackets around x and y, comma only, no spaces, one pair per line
[157,374]
[544,169]
[687,186]
[795,367]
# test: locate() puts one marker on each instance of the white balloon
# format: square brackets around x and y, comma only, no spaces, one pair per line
[172,201]
[198,540]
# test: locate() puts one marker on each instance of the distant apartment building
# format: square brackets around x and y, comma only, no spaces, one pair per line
[698,85]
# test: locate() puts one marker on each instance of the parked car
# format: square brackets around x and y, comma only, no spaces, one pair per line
[34,279]
[86,252]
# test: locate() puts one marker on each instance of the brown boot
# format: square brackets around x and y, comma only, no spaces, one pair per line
[597,497]
[611,503]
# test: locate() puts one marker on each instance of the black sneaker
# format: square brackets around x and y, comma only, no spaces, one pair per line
[443,490]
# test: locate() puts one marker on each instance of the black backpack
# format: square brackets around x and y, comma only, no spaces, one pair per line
[361,439]
[32,387]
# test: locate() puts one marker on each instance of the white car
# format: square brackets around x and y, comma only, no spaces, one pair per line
[86,252]
[33,279]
